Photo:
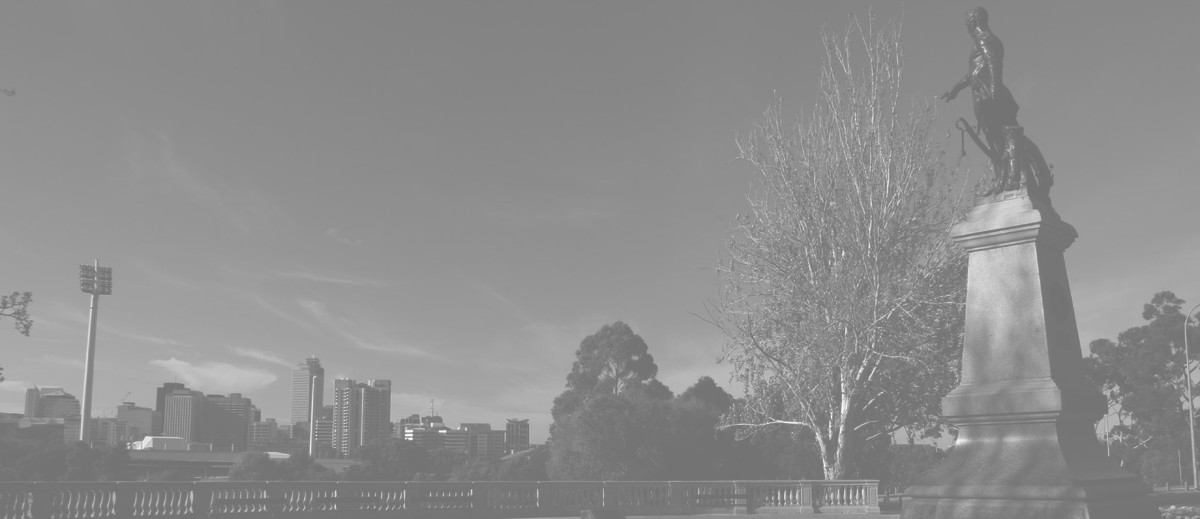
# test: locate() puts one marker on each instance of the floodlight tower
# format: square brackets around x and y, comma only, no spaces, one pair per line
[1187,377]
[97,281]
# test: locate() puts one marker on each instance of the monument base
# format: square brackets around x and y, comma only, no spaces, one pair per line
[1031,466]
[1024,407]
[1026,509]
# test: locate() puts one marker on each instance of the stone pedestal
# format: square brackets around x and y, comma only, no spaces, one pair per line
[1024,407]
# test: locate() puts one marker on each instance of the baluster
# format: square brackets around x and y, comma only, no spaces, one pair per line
[123,499]
[197,499]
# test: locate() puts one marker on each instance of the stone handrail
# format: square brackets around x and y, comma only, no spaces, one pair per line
[347,499]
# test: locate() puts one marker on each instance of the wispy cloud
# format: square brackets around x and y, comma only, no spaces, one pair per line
[273,309]
[347,330]
[63,361]
[260,355]
[240,207]
[150,339]
[556,212]
[339,279]
[72,318]
[167,278]
[216,376]
[14,386]
[505,302]
[339,236]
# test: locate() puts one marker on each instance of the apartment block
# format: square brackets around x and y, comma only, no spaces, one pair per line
[361,413]
[51,402]
[516,435]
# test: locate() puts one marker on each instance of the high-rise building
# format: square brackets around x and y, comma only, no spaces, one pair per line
[110,431]
[489,445]
[219,420]
[457,441]
[225,422]
[302,388]
[361,413]
[516,435]
[32,396]
[182,410]
[429,438]
[377,410]
[50,402]
[263,434]
[141,418]
[160,405]
[466,438]
[323,431]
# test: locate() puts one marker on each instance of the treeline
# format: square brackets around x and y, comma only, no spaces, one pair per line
[39,454]
[1142,374]
[616,421]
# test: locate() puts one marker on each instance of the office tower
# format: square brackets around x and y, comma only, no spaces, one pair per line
[361,413]
[31,402]
[50,402]
[412,419]
[377,410]
[516,435]
[323,431]
[160,405]
[225,422]
[457,441]
[139,418]
[489,445]
[468,434]
[263,434]
[302,385]
[429,438]
[110,431]
[182,410]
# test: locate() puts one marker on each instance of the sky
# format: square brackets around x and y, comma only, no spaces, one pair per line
[452,195]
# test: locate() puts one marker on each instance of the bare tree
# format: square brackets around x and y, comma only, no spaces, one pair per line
[842,298]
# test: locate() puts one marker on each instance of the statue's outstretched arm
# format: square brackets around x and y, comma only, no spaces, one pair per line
[953,92]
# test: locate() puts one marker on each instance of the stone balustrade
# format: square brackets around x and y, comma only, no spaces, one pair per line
[350,499]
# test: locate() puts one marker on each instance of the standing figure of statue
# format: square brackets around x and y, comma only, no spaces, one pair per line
[1016,161]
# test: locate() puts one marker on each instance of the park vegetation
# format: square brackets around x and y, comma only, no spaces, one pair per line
[842,297]
[16,307]
[1142,374]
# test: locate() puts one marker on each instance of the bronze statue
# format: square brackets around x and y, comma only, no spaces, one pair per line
[1016,161]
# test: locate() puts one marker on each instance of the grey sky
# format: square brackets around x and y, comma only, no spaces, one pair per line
[452,195]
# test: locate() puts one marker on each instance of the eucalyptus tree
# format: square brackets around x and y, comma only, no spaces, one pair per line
[842,296]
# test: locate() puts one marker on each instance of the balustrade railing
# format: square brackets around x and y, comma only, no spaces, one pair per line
[349,499]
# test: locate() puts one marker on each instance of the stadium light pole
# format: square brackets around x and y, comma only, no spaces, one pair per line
[97,281]
[312,418]
[1187,378]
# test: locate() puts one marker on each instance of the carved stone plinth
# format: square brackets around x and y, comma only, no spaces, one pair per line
[1024,407]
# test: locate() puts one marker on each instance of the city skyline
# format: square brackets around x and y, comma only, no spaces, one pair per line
[232,423]
[452,197]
